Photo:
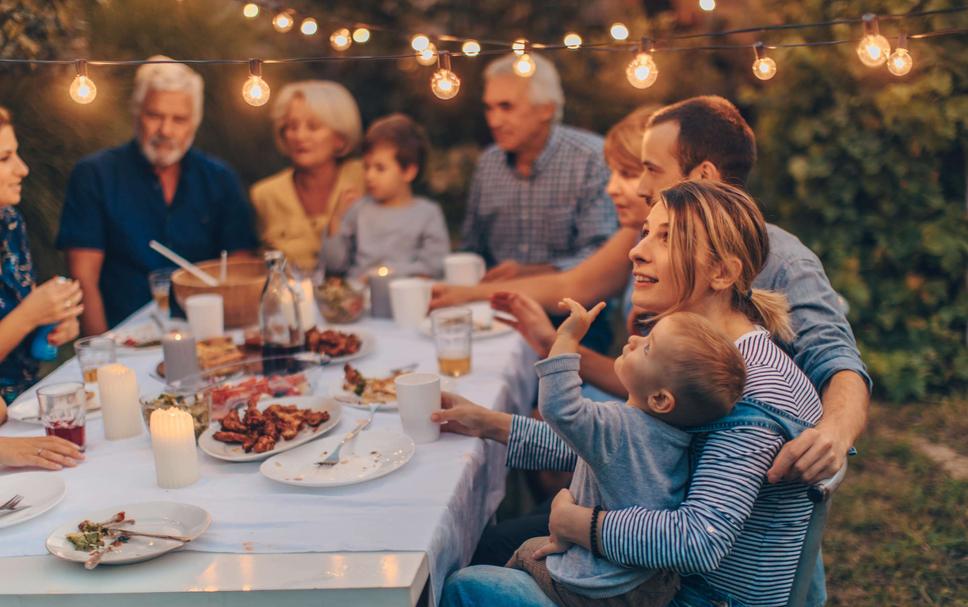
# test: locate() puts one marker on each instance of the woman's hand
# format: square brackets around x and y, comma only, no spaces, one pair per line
[64,332]
[50,452]
[557,542]
[56,300]
[461,416]
[532,321]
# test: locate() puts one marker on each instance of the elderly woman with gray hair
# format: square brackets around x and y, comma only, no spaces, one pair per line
[317,126]
[156,187]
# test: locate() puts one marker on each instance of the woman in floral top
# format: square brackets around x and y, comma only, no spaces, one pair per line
[24,308]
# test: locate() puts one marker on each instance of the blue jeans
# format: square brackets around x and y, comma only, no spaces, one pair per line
[487,585]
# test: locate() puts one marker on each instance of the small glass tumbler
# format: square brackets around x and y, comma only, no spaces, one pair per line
[160,283]
[63,409]
[452,334]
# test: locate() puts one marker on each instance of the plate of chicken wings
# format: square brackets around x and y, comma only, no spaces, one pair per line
[268,427]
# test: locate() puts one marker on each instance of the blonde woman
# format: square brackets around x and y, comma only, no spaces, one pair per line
[317,126]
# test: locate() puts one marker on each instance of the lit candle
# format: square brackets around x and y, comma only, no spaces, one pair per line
[173,443]
[118,388]
[181,357]
[380,292]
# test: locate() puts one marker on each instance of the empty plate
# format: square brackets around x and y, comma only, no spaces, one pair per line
[41,490]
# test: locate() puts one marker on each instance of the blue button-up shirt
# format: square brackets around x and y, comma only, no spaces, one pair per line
[19,369]
[557,215]
[115,204]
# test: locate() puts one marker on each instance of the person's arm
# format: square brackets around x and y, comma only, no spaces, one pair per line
[599,277]
[85,266]
[595,219]
[338,251]
[824,348]
[53,302]
[599,370]
[697,535]
[48,452]
[510,270]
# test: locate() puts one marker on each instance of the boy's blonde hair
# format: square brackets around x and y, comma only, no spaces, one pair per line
[623,142]
[706,372]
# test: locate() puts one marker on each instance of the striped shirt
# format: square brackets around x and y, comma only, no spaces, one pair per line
[558,215]
[743,535]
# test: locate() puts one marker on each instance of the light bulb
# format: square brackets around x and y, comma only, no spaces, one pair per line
[524,66]
[420,42]
[308,27]
[341,39]
[82,89]
[642,71]
[873,50]
[519,46]
[707,5]
[428,56]
[572,41]
[764,68]
[250,10]
[471,48]
[361,35]
[900,62]
[445,84]
[619,31]
[255,91]
[283,22]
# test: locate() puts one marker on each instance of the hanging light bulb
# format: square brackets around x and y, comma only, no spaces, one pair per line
[642,71]
[82,88]
[308,27]
[255,91]
[471,48]
[764,68]
[707,5]
[341,39]
[524,66]
[444,83]
[572,41]
[283,22]
[619,31]
[519,46]
[250,10]
[900,61]
[361,35]
[873,48]
[428,56]
[420,42]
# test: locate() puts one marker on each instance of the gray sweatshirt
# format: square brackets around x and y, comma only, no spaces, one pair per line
[412,239]
[626,458]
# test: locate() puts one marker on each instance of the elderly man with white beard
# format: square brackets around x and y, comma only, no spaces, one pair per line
[155,187]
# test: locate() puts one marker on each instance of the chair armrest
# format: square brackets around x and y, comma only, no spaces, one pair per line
[821,491]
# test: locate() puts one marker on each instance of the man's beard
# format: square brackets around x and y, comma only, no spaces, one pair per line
[164,157]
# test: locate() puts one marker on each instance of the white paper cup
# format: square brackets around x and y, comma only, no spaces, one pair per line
[205,315]
[409,300]
[418,396]
[464,269]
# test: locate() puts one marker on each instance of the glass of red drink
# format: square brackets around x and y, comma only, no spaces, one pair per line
[62,409]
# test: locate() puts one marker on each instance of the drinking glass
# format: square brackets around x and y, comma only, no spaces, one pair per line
[452,335]
[92,354]
[160,283]
[62,410]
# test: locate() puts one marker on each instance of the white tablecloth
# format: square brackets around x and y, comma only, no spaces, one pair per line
[438,503]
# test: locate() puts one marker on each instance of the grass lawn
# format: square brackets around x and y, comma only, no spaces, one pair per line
[898,529]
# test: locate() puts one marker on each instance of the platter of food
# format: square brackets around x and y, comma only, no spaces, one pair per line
[214,354]
[371,455]
[269,426]
[340,346]
[361,391]
[128,534]
[138,337]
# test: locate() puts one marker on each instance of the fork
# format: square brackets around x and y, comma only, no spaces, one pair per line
[333,458]
[11,504]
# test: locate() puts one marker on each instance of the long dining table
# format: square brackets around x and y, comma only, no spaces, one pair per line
[387,541]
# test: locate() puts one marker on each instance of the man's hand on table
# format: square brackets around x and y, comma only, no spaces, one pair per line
[461,416]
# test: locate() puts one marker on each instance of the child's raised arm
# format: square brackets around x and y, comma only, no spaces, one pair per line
[571,332]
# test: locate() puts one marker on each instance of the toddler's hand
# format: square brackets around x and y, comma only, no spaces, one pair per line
[554,546]
[577,324]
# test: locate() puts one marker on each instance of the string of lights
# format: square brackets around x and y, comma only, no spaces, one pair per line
[873,50]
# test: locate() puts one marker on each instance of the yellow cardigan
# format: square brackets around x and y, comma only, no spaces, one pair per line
[282,221]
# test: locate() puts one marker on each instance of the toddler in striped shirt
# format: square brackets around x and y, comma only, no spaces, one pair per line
[683,374]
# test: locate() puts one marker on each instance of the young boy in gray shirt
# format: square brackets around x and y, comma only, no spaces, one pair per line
[682,374]
[389,226]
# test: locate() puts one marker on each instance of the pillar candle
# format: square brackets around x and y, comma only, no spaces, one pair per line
[181,357]
[118,388]
[306,304]
[380,292]
[173,444]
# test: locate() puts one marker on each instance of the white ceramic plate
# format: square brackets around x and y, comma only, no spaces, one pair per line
[372,454]
[41,490]
[367,344]
[232,452]
[496,329]
[350,399]
[137,337]
[170,518]
[26,408]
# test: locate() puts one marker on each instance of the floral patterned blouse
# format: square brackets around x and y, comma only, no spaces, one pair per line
[18,370]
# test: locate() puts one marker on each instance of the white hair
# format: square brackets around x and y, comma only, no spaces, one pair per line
[545,85]
[167,77]
[329,101]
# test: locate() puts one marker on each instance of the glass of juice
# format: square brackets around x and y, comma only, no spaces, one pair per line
[92,354]
[62,410]
[160,283]
[452,334]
